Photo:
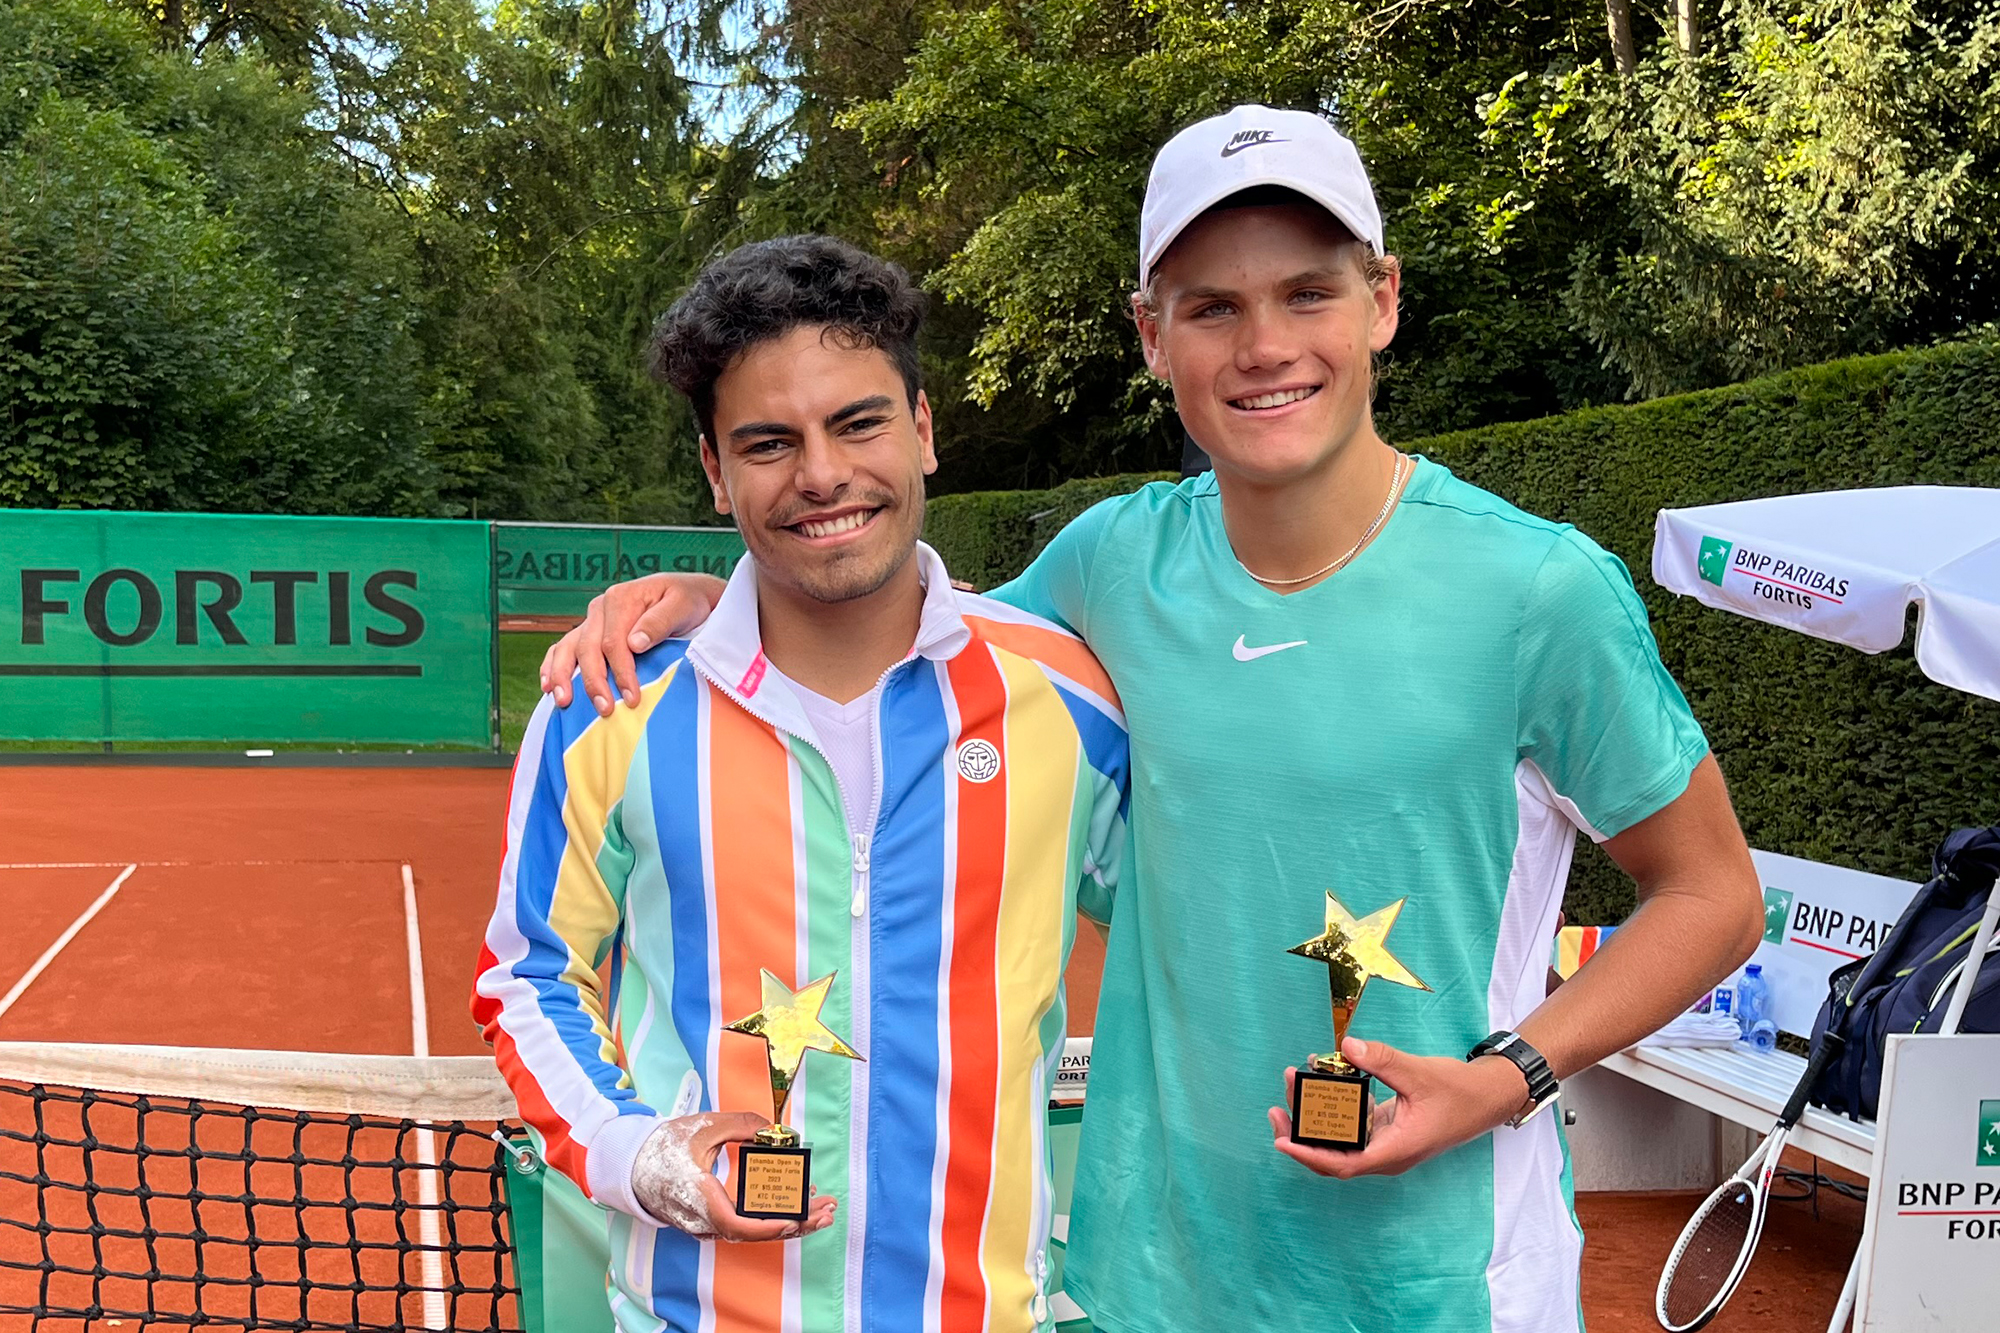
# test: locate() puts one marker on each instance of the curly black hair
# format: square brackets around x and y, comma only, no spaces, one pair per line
[766,289]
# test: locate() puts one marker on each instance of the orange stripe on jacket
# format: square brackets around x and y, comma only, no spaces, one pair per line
[1051,648]
[749,794]
[981,696]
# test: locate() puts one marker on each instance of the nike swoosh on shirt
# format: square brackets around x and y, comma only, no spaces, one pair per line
[1243,653]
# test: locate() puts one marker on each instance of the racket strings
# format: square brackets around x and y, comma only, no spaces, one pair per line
[1698,1277]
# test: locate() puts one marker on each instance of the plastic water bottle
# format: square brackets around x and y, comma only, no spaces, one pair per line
[1762,1036]
[1753,1007]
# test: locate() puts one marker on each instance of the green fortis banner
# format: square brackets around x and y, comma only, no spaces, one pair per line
[554,569]
[224,627]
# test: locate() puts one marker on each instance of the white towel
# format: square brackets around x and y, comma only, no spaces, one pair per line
[1696,1030]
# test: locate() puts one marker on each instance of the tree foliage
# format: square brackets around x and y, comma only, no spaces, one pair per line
[1823,182]
[402,255]
[1819,182]
[195,310]
[399,258]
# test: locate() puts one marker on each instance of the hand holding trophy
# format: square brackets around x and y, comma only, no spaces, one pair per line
[1332,1101]
[774,1172]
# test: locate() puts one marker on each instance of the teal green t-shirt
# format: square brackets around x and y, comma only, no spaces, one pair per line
[1432,723]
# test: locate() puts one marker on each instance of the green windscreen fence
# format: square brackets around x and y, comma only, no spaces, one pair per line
[554,569]
[204,627]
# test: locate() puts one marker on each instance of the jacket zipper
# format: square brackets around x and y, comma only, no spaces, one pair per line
[857,1226]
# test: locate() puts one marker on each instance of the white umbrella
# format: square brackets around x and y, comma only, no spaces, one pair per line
[1845,565]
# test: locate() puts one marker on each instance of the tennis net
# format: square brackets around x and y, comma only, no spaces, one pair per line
[150,1187]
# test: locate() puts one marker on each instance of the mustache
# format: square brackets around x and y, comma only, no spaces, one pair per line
[796,513]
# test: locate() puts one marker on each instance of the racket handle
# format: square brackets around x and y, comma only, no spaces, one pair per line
[1830,1045]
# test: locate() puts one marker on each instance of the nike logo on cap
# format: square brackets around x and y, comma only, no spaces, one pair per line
[1244,653]
[1243,139]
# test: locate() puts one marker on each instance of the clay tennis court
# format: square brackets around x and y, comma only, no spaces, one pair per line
[266,909]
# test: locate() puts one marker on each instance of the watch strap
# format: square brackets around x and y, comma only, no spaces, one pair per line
[1542,1085]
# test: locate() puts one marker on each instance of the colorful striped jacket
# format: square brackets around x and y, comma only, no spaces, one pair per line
[657,859]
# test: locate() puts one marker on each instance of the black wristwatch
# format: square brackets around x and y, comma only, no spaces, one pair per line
[1542,1086]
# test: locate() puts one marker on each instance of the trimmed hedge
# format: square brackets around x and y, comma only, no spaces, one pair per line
[987,537]
[1831,754]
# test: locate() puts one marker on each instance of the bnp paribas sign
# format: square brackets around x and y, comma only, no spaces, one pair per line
[1770,578]
[1931,1253]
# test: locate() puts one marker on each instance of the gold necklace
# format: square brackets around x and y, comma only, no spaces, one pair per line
[1396,482]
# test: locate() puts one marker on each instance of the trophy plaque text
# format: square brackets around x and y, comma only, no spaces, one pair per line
[774,1171]
[1332,1101]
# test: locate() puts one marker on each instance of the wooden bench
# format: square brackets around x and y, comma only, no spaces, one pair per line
[1677,1118]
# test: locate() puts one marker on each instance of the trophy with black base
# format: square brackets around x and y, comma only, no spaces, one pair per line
[1332,1101]
[774,1170]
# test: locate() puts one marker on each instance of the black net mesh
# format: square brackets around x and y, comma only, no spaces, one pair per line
[131,1212]
[1704,1264]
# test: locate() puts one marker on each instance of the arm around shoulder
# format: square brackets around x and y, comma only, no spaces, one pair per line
[1056,584]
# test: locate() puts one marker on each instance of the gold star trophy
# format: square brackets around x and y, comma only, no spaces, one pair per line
[1332,1101]
[774,1172]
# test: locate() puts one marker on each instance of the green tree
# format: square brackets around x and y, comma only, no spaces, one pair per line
[1782,181]
[1035,124]
[543,159]
[1820,183]
[196,311]
[403,255]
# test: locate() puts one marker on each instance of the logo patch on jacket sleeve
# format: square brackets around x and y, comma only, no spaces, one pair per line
[978,761]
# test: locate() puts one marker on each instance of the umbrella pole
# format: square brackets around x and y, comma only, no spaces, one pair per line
[1845,1307]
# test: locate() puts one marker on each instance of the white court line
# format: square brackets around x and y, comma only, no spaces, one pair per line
[420,1019]
[62,940]
[431,1258]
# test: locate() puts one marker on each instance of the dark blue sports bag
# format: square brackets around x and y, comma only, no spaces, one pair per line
[1906,985]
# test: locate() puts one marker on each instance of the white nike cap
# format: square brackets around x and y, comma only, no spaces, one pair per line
[1244,148]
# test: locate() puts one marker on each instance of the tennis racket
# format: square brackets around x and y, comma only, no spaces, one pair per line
[1714,1249]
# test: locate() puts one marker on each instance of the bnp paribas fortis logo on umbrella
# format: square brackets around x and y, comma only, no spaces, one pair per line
[1777,911]
[1714,559]
[1989,1133]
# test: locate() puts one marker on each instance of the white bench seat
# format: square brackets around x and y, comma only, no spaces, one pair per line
[1682,1117]
[1749,1089]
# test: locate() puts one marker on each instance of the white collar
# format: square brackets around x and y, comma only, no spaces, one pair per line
[729,646]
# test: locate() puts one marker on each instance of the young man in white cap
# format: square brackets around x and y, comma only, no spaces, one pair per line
[1346,671]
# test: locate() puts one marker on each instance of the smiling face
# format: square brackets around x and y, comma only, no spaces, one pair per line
[1264,322]
[821,458]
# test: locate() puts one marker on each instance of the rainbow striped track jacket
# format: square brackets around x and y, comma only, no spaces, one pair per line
[657,859]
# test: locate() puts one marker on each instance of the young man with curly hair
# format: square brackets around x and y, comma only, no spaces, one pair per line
[851,771]
[1346,672]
